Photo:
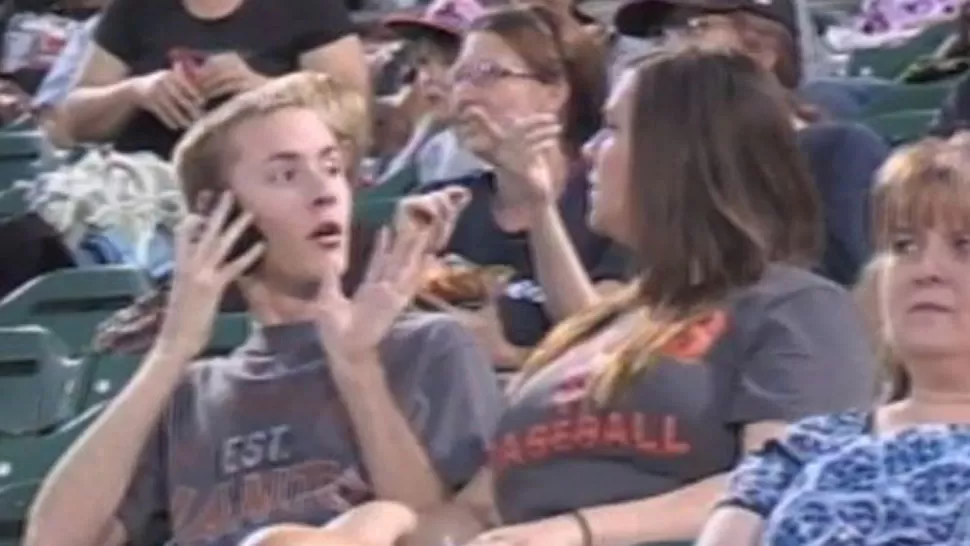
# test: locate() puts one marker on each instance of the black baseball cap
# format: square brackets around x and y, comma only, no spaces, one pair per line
[642,18]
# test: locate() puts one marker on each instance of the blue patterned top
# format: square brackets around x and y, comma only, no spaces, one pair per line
[831,482]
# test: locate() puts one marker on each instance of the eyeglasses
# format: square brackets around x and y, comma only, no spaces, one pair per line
[486,73]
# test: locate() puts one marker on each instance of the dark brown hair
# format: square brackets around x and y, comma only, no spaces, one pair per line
[757,33]
[535,34]
[719,191]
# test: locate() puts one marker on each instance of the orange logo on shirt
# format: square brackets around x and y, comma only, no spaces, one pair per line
[698,338]
[649,435]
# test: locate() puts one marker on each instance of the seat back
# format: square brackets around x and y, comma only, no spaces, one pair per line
[20,151]
[908,97]
[228,333]
[26,461]
[39,384]
[890,61]
[71,303]
[902,127]
[107,374]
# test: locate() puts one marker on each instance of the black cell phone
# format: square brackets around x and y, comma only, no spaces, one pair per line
[249,237]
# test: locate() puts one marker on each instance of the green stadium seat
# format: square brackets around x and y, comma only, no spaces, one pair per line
[72,302]
[889,62]
[902,127]
[19,153]
[376,212]
[109,373]
[908,97]
[24,462]
[228,333]
[375,206]
[39,385]
[12,202]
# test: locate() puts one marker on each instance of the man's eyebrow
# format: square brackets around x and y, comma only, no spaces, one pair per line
[326,152]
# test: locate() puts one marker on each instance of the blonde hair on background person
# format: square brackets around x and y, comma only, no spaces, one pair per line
[921,186]
[867,292]
[204,150]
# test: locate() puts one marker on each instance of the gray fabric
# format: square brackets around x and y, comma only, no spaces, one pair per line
[262,436]
[794,347]
[431,155]
[443,158]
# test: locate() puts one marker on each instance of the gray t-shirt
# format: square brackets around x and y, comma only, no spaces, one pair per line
[795,346]
[262,437]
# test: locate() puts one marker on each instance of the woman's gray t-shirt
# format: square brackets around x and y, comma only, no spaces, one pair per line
[794,347]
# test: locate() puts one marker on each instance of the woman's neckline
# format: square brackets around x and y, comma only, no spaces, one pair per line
[883,424]
[209,15]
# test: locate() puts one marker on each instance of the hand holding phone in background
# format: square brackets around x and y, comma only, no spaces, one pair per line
[171,95]
[225,74]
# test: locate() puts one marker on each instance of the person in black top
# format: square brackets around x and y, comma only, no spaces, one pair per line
[842,156]
[514,78]
[156,66]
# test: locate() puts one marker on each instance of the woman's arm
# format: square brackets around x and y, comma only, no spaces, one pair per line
[103,101]
[560,271]
[684,510]
[731,526]
[326,37]
[344,60]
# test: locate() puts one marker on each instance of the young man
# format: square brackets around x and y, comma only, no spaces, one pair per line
[331,403]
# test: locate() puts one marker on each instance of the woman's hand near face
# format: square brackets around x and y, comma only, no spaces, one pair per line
[521,150]
[202,274]
[353,328]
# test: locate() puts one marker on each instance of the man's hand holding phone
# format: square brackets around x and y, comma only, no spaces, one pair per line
[203,270]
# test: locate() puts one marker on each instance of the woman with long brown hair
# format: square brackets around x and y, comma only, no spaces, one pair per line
[625,421]
[841,156]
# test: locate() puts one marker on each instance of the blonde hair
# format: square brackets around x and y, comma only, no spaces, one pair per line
[868,297]
[921,186]
[652,333]
[200,156]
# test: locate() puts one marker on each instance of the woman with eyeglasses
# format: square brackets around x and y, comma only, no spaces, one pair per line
[515,75]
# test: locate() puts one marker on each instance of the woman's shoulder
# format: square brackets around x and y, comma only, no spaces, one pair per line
[818,434]
[782,283]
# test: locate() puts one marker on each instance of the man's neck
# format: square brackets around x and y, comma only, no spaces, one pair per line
[271,306]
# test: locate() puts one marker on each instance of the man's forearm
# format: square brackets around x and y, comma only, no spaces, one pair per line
[97,113]
[397,463]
